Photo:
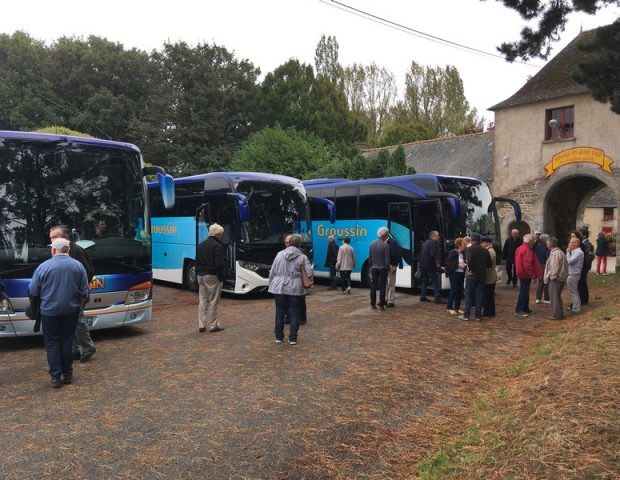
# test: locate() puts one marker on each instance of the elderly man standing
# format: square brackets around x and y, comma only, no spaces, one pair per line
[528,268]
[210,256]
[556,273]
[379,261]
[508,253]
[330,261]
[430,267]
[574,256]
[62,287]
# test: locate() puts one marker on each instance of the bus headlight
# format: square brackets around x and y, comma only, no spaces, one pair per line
[6,307]
[138,293]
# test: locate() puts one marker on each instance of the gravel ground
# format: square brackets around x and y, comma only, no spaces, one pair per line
[365,394]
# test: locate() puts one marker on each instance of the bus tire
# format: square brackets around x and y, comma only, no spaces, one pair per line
[190,279]
[366,280]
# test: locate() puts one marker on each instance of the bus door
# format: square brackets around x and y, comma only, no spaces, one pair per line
[399,224]
[426,216]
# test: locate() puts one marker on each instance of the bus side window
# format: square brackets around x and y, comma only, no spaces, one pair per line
[346,203]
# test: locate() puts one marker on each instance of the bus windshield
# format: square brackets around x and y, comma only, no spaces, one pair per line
[96,191]
[275,210]
[478,209]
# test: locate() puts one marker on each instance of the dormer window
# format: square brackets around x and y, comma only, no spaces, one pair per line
[560,123]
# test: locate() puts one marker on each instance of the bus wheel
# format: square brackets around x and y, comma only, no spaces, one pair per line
[366,279]
[190,279]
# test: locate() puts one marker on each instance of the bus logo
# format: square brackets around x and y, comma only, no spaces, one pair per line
[164,229]
[97,282]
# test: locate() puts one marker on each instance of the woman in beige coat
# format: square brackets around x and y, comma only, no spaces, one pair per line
[345,263]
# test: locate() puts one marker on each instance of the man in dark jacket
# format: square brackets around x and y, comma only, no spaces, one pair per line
[508,254]
[478,260]
[588,258]
[331,260]
[429,265]
[83,345]
[210,256]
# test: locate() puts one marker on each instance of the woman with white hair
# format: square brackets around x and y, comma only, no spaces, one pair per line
[286,285]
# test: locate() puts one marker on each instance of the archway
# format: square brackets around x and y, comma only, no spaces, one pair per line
[521,225]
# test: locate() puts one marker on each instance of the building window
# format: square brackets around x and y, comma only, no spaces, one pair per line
[560,123]
[608,214]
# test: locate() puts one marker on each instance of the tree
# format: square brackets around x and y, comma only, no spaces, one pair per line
[397,163]
[371,92]
[600,73]
[435,98]
[326,60]
[288,152]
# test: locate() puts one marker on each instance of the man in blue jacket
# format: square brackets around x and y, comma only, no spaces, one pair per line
[62,287]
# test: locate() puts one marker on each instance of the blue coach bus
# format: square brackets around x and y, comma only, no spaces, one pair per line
[410,206]
[97,189]
[256,210]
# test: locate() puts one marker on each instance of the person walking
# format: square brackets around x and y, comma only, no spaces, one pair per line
[602,250]
[286,285]
[556,274]
[488,298]
[542,254]
[508,254]
[527,268]
[379,261]
[396,262]
[574,257]
[62,287]
[210,257]
[478,260]
[345,263]
[429,265]
[588,258]
[83,345]
[330,261]
[455,270]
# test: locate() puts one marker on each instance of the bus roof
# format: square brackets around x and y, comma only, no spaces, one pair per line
[402,181]
[241,177]
[51,137]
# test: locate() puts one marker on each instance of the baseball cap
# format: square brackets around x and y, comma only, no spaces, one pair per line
[486,239]
[537,232]
[60,243]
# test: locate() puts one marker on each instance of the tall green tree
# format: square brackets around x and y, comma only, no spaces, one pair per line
[397,163]
[326,61]
[435,98]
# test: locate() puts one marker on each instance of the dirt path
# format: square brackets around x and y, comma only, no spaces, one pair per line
[363,395]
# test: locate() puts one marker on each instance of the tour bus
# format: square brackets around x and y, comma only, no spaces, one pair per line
[256,210]
[96,188]
[410,206]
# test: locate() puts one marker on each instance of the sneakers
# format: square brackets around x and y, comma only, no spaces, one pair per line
[216,329]
[460,312]
[292,342]
[538,302]
[348,289]
[521,314]
[451,312]
[547,302]
[390,305]
[463,317]
[56,383]
[278,341]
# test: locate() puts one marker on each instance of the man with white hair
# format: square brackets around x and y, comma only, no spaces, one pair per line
[61,285]
[210,256]
[379,262]
[508,254]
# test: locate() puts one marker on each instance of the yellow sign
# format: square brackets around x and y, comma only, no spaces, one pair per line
[579,155]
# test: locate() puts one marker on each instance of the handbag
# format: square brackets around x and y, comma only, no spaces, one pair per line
[306,280]
[33,312]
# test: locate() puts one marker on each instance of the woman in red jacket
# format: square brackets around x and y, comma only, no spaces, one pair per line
[528,268]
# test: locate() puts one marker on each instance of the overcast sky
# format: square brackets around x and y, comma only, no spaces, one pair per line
[269,32]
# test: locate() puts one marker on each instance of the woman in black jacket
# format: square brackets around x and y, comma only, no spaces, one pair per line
[455,270]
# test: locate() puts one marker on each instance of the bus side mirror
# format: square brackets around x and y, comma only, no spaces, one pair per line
[166,185]
[331,207]
[515,206]
[242,205]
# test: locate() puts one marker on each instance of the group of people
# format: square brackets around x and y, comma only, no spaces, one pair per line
[58,293]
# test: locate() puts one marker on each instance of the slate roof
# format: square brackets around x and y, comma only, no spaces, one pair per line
[465,155]
[605,197]
[554,79]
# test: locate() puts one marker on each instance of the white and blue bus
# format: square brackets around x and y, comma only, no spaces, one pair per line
[256,210]
[97,189]
[410,206]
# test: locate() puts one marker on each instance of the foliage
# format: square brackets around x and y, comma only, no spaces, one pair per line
[326,60]
[434,97]
[58,130]
[288,152]
[397,164]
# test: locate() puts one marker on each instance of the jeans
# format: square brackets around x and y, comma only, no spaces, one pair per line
[82,336]
[378,281]
[434,281]
[345,279]
[58,331]
[332,277]
[584,291]
[523,302]
[289,306]
[474,292]
[488,300]
[456,290]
